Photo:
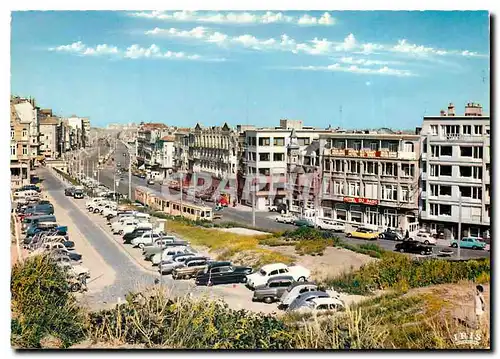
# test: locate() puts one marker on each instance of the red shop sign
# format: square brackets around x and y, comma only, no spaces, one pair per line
[370,202]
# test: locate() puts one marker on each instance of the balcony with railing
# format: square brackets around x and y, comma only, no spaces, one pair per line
[384,153]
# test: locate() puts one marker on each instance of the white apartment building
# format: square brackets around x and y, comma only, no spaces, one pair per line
[49,145]
[266,154]
[27,112]
[370,178]
[456,161]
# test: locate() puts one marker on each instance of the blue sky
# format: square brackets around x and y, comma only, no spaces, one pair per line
[384,69]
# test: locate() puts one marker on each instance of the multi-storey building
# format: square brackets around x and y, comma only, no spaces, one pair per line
[28,114]
[50,147]
[213,151]
[147,135]
[79,131]
[371,178]
[163,156]
[267,154]
[20,165]
[456,165]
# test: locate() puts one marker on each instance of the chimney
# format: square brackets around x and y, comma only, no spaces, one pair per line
[473,109]
[443,113]
[451,109]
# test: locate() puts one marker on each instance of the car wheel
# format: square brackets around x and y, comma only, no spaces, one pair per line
[75,287]
[268,300]
[381,236]
[422,252]
[349,235]
[244,280]
[454,245]
[426,242]
[141,245]
[474,247]
[401,250]
[302,279]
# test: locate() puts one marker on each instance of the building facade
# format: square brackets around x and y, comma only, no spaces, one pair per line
[50,147]
[20,164]
[456,168]
[370,178]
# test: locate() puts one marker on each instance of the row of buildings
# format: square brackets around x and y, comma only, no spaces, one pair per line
[378,178]
[37,135]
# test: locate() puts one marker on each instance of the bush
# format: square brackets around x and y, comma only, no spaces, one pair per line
[311,247]
[43,305]
[395,270]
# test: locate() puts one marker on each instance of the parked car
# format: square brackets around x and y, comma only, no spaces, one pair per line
[192,266]
[469,242]
[304,298]
[178,260]
[28,187]
[147,238]
[331,225]
[391,234]
[273,289]
[425,238]
[364,233]
[294,290]
[277,269]
[151,181]
[222,273]
[76,269]
[320,304]
[303,222]
[285,218]
[166,255]
[69,191]
[127,238]
[133,227]
[148,251]
[78,194]
[413,247]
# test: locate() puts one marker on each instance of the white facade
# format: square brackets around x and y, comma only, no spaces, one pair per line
[28,114]
[49,145]
[456,159]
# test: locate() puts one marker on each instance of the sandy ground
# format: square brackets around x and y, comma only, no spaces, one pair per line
[242,231]
[102,275]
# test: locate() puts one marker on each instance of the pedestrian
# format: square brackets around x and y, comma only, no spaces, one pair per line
[479,305]
[407,234]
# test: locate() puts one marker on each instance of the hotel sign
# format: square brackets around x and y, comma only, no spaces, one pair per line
[370,202]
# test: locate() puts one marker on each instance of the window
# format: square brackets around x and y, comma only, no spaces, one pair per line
[446,151]
[478,130]
[393,146]
[466,191]
[339,144]
[389,169]
[25,150]
[389,192]
[327,165]
[478,152]
[354,166]
[13,150]
[12,133]
[25,133]
[264,141]
[466,151]
[264,171]
[474,172]
[445,170]
[451,130]
[487,130]
[444,210]
[433,208]
[466,129]
[434,190]
[341,214]
[374,146]
[264,157]
[405,194]
[371,190]
[424,166]
[407,170]
[371,168]
[338,187]
[356,145]
[278,157]
[434,130]
[353,188]
[279,141]
[445,190]
[304,141]
[477,193]
[356,216]
[252,141]
[339,166]
[434,151]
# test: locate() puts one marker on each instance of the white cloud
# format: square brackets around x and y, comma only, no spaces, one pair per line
[405,47]
[365,62]
[348,44]
[358,70]
[132,52]
[268,17]
[368,83]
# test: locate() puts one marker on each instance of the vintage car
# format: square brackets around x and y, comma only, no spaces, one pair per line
[469,242]
[364,233]
[222,273]
[192,266]
[293,291]
[277,269]
[413,247]
[273,289]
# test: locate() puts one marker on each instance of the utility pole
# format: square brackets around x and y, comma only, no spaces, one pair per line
[129,174]
[182,180]
[98,159]
[459,222]
[253,204]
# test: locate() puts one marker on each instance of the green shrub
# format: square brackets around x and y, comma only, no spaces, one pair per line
[311,247]
[395,270]
[43,305]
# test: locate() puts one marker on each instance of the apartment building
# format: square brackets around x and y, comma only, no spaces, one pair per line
[266,153]
[163,156]
[147,135]
[20,165]
[50,147]
[456,164]
[27,111]
[213,152]
[370,178]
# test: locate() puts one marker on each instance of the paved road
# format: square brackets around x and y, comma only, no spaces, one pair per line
[263,220]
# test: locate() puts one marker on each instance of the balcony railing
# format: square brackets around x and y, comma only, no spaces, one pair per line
[372,154]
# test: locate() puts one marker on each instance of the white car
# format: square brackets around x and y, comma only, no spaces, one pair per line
[139,224]
[169,252]
[166,267]
[425,238]
[118,226]
[147,238]
[90,205]
[285,218]
[76,269]
[277,269]
[108,209]
[321,304]
[330,225]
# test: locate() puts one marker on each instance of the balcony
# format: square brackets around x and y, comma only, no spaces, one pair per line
[371,154]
